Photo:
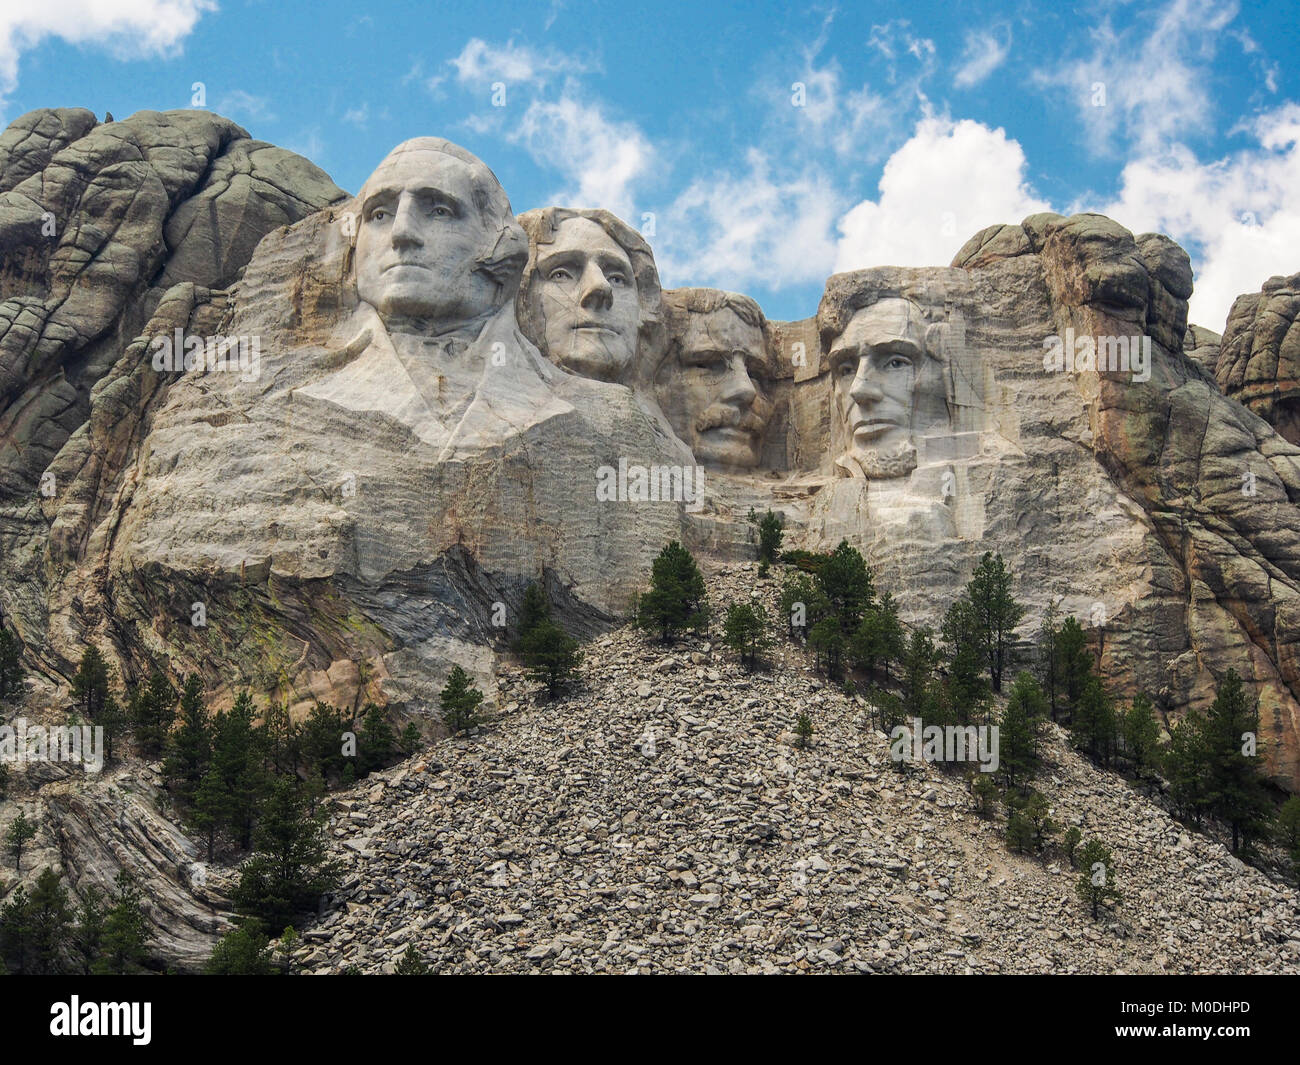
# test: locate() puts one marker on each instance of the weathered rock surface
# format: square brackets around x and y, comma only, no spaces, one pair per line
[681,831]
[1259,363]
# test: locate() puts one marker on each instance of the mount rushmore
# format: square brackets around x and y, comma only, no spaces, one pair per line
[435,402]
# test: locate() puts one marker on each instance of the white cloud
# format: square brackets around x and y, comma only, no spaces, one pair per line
[128,29]
[1237,216]
[480,63]
[752,228]
[948,181]
[601,158]
[1154,85]
[238,103]
[982,54]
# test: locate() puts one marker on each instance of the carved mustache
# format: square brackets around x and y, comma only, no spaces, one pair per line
[719,415]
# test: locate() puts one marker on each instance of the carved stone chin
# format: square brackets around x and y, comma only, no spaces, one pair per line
[878,464]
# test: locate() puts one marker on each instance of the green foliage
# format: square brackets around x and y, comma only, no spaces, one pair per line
[551,655]
[1074,660]
[847,584]
[238,783]
[676,599]
[746,632]
[115,722]
[1237,792]
[1096,884]
[1287,832]
[377,743]
[1049,658]
[1070,845]
[1018,732]
[152,709]
[189,746]
[984,794]
[90,683]
[803,728]
[320,738]
[49,916]
[995,613]
[827,640]
[16,935]
[1019,832]
[920,691]
[771,531]
[88,935]
[802,602]
[966,689]
[1141,733]
[11,662]
[411,964]
[536,608]
[290,870]
[1093,724]
[460,701]
[1186,763]
[4,782]
[243,951]
[125,940]
[411,739]
[807,561]
[21,832]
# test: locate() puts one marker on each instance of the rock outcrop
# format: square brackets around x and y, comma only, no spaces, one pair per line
[1259,361]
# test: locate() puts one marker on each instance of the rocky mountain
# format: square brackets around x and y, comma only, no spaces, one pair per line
[317,445]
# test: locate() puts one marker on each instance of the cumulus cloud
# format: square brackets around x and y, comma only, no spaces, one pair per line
[948,181]
[750,228]
[982,53]
[602,158]
[128,29]
[1237,216]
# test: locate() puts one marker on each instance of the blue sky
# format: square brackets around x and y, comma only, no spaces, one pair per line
[916,125]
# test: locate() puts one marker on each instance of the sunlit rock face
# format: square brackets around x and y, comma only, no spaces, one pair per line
[1259,358]
[432,402]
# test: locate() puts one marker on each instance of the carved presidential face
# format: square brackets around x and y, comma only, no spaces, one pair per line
[713,390]
[876,366]
[588,299]
[418,243]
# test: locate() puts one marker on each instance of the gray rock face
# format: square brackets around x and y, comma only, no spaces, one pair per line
[98,224]
[360,502]
[1259,362]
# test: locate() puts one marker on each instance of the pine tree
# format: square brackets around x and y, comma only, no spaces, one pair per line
[746,632]
[536,609]
[1020,833]
[1093,724]
[16,932]
[676,599]
[11,662]
[377,742]
[847,584]
[1288,832]
[152,710]
[1036,812]
[115,722]
[1018,730]
[967,689]
[1096,884]
[551,656]
[280,738]
[210,810]
[1186,764]
[997,613]
[290,871]
[90,683]
[1075,661]
[48,919]
[21,832]
[802,602]
[320,739]
[826,638]
[892,644]
[771,530]
[1070,846]
[1141,733]
[984,794]
[460,701]
[88,935]
[1237,792]
[411,964]
[126,932]
[237,765]
[1049,658]
[920,696]
[803,729]
[189,746]
[243,951]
